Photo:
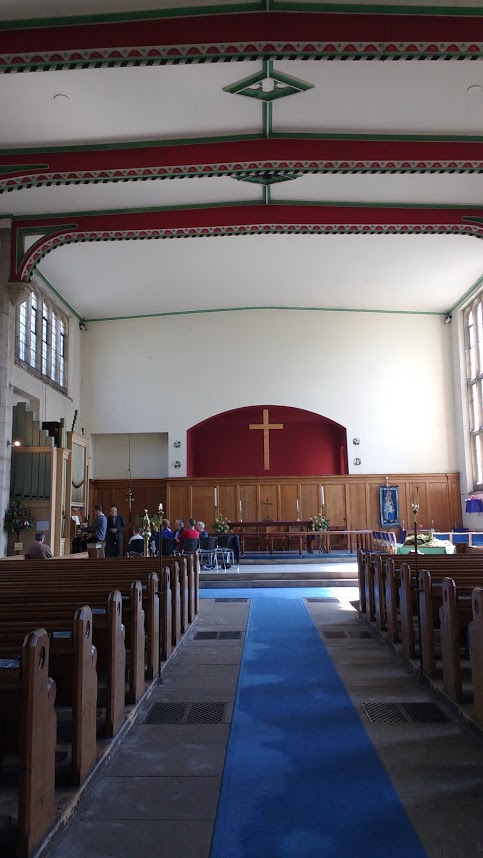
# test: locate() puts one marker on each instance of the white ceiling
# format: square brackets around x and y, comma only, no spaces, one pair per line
[400,273]
[382,98]
[128,195]
[118,104]
[404,273]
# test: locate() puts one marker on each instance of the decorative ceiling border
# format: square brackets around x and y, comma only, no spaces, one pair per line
[239,159]
[234,220]
[238,36]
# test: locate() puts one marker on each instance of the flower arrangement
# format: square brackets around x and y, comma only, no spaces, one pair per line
[318,522]
[18,517]
[221,525]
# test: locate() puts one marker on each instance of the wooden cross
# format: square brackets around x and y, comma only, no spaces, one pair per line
[266,426]
[130,498]
[267,503]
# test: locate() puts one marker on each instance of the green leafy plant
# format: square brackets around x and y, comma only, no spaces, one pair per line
[17,518]
[318,522]
[221,525]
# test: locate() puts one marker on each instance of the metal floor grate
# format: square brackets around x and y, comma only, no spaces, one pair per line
[217,636]
[232,600]
[186,713]
[342,634]
[321,599]
[412,712]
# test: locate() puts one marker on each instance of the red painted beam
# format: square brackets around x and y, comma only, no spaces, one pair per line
[241,220]
[251,33]
[38,167]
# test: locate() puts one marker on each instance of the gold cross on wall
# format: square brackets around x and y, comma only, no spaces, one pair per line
[266,426]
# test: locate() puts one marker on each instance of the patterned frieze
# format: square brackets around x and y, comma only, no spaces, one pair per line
[235,36]
[233,220]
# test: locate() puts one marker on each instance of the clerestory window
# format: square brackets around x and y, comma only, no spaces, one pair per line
[41,339]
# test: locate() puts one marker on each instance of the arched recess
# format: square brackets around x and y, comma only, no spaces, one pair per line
[225,446]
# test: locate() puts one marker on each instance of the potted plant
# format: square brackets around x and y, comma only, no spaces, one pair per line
[221,525]
[318,523]
[17,518]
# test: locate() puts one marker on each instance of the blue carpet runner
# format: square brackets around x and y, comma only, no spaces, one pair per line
[301,778]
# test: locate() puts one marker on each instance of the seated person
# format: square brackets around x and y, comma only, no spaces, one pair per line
[136,543]
[91,533]
[200,527]
[39,550]
[178,527]
[188,533]
[166,533]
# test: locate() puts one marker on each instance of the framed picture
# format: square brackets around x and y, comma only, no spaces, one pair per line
[389,506]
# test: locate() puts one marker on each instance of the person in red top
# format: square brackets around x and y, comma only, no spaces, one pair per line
[188,533]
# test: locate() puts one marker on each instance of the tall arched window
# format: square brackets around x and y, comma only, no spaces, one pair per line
[473,324]
[41,339]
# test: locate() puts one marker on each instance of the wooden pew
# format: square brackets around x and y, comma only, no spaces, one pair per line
[77,676]
[476,652]
[27,715]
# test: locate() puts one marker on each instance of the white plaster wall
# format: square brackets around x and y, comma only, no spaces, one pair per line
[112,453]
[387,378]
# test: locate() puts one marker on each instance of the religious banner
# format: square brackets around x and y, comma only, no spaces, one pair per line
[389,506]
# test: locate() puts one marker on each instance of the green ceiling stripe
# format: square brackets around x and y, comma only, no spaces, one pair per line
[240,138]
[240,204]
[269,307]
[374,9]
[57,294]
[141,144]
[474,288]
[181,207]
[400,138]
[119,17]
[247,6]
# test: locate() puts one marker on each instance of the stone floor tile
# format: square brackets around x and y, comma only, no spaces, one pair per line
[148,755]
[199,734]
[156,798]
[147,839]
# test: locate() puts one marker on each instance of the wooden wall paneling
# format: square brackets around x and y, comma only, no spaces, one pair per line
[228,502]
[203,504]
[455,509]
[438,507]
[269,492]
[309,500]
[289,493]
[249,498]
[178,502]
[335,504]
[357,506]
[418,492]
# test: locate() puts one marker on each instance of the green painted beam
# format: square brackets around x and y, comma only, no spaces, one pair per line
[269,307]
[142,15]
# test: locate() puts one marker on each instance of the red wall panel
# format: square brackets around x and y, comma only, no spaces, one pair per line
[308,444]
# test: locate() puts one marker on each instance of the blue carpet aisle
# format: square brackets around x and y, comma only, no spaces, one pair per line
[301,778]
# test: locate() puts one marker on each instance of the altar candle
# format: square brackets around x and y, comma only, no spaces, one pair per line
[240,505]
[322,496]
[297,504]
[215,492]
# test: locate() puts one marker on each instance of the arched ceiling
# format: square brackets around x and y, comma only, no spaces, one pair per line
[343,142]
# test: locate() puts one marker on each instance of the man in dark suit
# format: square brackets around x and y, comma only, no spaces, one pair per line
[114,535]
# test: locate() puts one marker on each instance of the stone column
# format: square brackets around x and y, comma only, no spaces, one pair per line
[10,295]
